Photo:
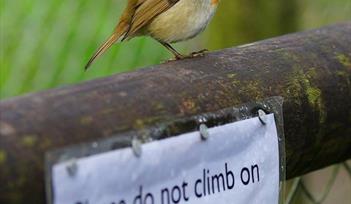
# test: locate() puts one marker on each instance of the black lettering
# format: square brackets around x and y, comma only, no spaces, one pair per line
[220,180]
[163,192]
[85,202]
[186,198]
[139,196]
[257,173]
[208,182]
[245,179]
[148,197]
[199,195]
[229,174]
[204,184]
[176,194]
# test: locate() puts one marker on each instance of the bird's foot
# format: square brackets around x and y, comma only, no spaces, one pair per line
[176,57]
[199,53]
[191,55]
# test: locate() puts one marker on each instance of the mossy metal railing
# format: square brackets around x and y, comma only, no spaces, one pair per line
[311,70]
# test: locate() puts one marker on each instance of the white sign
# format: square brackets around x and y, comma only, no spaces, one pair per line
[238,163]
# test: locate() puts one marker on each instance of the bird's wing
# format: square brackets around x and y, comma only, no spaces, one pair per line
[137,14]
[145,11]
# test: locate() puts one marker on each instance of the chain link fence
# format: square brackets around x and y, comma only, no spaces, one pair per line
[327,186]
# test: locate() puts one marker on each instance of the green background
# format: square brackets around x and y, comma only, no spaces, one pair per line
[46,43]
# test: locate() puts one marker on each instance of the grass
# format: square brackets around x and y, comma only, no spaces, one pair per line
[45,44]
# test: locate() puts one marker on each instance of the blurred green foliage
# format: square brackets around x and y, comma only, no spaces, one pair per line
[46,44]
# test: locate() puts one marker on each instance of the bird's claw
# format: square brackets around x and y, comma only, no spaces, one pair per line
[193,54]
[199,53]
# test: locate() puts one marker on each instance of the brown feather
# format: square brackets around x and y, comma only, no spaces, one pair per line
[120,30]
[102,49]
[146,11]
[137,14]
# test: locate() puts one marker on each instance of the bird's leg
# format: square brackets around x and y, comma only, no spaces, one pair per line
[176,54]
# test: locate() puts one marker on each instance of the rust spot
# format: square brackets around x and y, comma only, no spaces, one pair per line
[139,124]
[2,157]
[86,120]
[214,2]
[6,129]
[344,60]
[122,94]
[29,140]
[187,106]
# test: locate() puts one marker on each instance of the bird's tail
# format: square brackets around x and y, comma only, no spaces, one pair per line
[121,31]
[102,49]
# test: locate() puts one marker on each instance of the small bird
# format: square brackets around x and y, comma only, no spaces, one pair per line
[167,21]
